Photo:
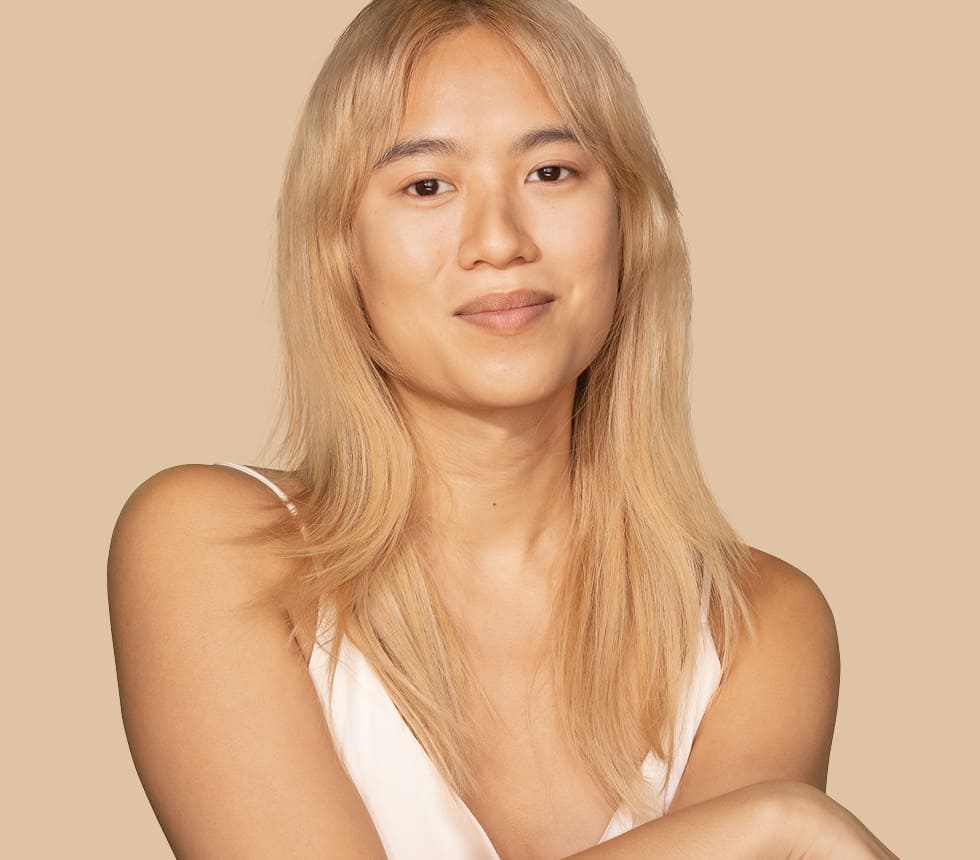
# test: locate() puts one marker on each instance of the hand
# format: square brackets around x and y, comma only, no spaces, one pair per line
[822,829]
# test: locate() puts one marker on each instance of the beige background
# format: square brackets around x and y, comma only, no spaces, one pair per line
[825,157]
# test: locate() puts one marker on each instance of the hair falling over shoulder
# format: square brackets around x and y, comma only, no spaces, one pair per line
[646,528]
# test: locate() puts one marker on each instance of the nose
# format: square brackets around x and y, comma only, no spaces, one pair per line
[494,230]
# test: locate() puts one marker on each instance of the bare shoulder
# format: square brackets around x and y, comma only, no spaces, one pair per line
[202,514]
[787,604]
[217,495]
[778,581]
[774,714]
[223,721]
[793,632]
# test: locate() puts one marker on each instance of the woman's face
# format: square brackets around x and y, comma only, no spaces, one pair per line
[482,195]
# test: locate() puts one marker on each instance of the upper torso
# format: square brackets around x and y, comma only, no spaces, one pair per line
[533,798]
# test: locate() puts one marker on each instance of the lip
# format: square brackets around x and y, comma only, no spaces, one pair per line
[504,301]
[509,321]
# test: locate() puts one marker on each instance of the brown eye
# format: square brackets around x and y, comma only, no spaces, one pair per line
[424,187]
[551,173]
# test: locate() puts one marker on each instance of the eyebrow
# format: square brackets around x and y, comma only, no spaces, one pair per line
[449,146]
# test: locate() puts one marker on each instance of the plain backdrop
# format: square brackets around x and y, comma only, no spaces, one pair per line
[825,159]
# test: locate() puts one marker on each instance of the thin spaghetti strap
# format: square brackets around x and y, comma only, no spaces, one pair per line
[260,477]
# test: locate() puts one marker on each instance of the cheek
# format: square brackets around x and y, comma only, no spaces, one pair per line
[397,261]
[589,244]
[601,243]
[585,236]
[401,241]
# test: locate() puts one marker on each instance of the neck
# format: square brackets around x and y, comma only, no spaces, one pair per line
[496,486]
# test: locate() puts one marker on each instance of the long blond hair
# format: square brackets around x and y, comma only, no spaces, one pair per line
[646,529]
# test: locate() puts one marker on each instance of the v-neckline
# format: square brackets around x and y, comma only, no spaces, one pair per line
[365,668]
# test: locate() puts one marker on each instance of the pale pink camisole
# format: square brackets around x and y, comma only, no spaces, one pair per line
[416,814]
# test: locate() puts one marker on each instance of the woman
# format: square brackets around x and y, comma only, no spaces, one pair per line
[498,578]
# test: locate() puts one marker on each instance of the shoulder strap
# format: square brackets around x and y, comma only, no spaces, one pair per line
[248,470]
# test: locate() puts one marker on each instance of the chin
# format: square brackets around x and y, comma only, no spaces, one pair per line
[515,393]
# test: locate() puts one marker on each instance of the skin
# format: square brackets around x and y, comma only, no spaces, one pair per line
[224,725]
[493,410]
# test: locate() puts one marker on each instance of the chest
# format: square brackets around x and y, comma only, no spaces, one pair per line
[533,797]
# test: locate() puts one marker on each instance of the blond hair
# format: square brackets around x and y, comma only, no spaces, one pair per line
[646,529]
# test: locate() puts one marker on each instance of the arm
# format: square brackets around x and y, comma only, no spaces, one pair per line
[753,786]
[773,717]
[225,728]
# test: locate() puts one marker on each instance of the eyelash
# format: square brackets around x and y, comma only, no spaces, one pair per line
[571,172]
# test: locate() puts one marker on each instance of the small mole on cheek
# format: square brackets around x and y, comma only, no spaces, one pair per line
[494,504]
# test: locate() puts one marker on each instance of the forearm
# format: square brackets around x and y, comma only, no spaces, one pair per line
[747,824]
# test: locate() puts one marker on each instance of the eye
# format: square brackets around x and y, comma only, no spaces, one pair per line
[424,187]
[552,173]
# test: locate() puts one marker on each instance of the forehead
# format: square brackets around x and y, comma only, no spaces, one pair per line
[474,81]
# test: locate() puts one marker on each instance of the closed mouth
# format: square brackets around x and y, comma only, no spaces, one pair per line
[504,301]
